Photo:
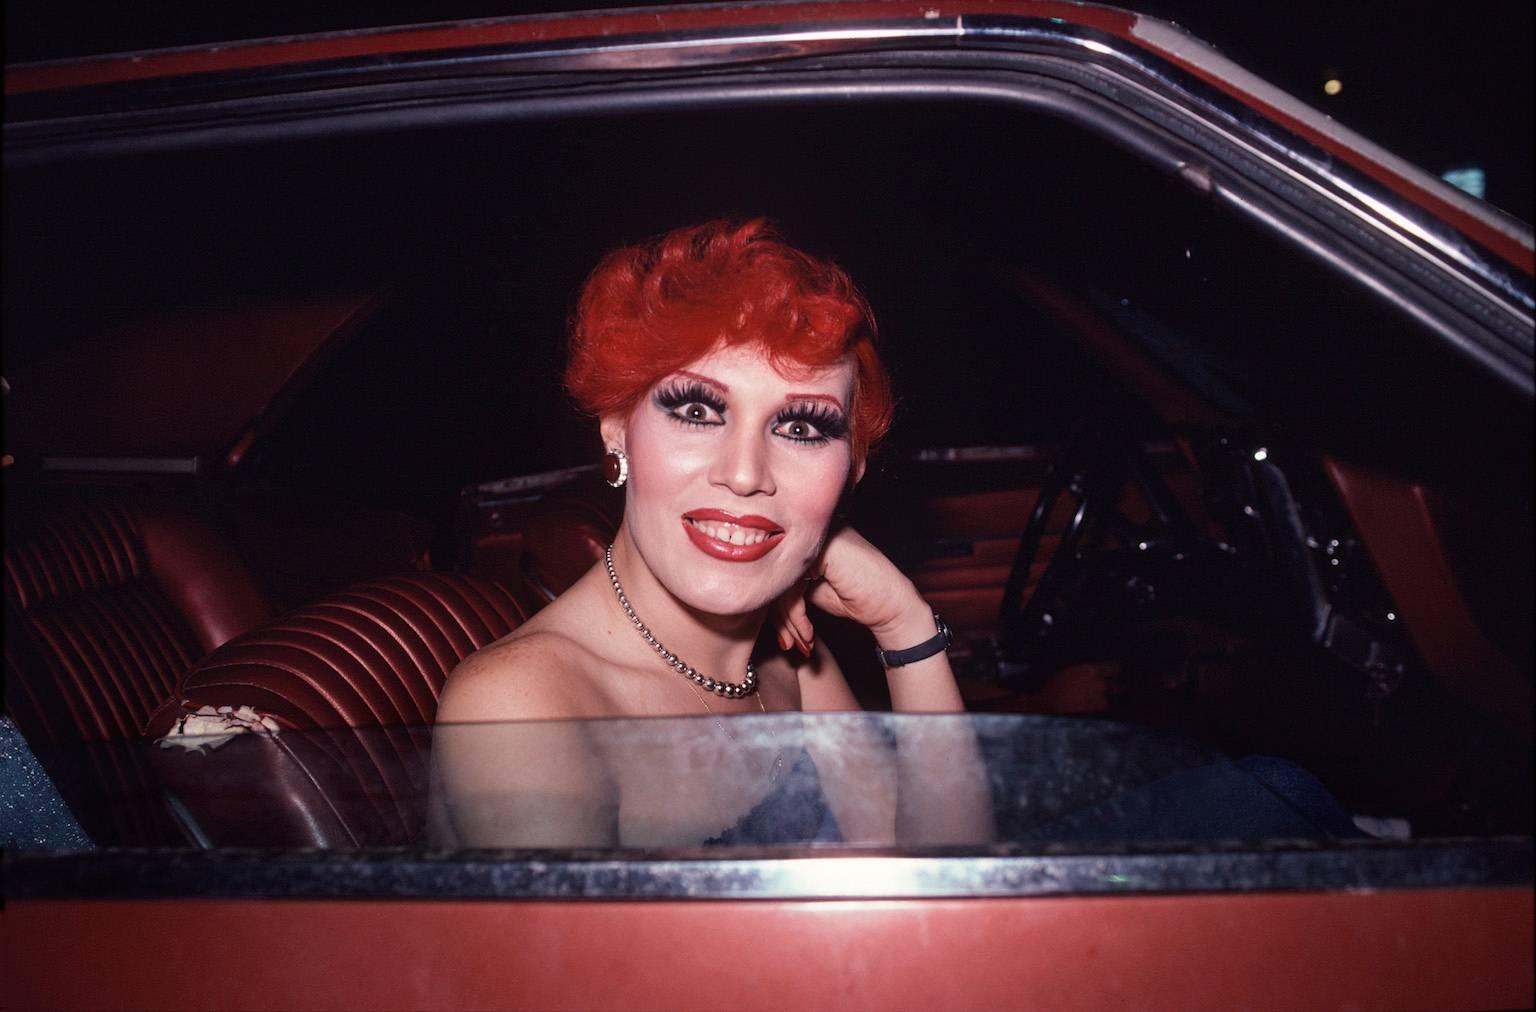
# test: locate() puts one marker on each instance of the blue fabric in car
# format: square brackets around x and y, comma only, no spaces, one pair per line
[794,811]
[1255,798]
[32,813]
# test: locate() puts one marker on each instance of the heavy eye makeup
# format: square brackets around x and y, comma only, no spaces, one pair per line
[691,403]
[810,422]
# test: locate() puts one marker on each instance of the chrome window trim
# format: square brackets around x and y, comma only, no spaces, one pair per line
[1351,190]
[804,873]
[1112,63]
[724,46]
[123,465]
[526,482]
[1169,38]
[934,24]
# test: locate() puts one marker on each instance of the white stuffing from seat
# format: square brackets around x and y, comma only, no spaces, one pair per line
[208,727]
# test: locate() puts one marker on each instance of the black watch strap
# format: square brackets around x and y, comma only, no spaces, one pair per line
[925,649]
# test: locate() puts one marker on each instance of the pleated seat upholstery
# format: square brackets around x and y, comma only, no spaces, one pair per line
[111,594]
[118,592]
[353,682]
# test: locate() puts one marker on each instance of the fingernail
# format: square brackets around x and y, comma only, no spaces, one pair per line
[784,641]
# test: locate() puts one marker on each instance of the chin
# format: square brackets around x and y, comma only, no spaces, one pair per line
[718,594]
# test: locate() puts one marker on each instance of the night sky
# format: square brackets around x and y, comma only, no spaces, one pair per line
[1444,85]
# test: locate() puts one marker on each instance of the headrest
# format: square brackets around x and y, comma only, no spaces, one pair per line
[561,542]
[67,542]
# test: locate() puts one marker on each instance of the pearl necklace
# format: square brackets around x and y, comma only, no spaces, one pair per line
[730,690]
[727,689]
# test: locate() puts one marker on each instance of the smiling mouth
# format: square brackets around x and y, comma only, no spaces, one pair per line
[731,534]
[730,538]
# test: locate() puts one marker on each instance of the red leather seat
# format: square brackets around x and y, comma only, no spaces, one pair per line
[541,543]
[563,540]
[353,680]
[111,594]
[121,591]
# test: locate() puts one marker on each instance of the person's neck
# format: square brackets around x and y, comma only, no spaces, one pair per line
[718,646]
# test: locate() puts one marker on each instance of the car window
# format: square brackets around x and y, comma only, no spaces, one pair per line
[792,780]
[1222,654]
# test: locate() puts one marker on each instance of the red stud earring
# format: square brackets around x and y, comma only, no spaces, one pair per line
[615,468]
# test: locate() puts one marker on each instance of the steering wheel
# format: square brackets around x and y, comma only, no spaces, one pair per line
[1115,579]
[1108,566]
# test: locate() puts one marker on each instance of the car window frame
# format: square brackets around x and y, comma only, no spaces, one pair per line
[1476,303]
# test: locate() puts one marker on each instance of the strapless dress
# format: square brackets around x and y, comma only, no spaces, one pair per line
[794,811]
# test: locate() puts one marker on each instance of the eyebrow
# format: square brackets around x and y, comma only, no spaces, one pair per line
[705,379]
[788,398]
[835,402]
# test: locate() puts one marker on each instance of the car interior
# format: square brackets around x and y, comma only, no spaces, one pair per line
[286,429]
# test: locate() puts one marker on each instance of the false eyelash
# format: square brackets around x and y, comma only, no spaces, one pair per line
[828,421]
[689,392]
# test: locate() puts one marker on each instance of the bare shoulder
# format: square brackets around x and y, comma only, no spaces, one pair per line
[533,676]
[543,670]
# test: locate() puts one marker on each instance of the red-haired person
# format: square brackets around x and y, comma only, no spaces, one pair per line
[738,392]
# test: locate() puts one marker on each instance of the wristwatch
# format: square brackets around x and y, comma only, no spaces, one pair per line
[941,641]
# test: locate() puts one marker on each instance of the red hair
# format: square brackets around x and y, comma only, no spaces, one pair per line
[648,310]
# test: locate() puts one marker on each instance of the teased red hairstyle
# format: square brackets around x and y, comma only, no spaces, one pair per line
[648,310]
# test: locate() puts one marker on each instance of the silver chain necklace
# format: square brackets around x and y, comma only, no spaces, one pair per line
[730,690]
[778,757]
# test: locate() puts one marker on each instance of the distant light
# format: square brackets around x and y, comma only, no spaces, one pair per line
[1261,454]
[1332,86]
[1470,179]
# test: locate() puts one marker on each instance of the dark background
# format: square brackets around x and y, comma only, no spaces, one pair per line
[1444,85]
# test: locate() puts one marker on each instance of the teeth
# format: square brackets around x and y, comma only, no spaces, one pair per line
[730,533]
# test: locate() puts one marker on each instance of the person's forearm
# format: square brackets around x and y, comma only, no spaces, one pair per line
[942,794]
[925,686]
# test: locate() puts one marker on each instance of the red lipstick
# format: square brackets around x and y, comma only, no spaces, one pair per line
[724,550]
